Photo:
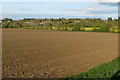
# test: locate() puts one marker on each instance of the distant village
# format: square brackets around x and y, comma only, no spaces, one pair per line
[73,24]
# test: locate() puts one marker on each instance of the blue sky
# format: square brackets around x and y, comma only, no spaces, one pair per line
[63,8]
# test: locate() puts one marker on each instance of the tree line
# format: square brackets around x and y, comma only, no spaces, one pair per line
[74,24]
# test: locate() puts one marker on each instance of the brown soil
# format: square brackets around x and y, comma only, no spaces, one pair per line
[54,54]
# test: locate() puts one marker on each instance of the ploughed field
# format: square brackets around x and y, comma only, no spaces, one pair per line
[54,54]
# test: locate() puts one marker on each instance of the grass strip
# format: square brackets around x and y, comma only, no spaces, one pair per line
[106,70]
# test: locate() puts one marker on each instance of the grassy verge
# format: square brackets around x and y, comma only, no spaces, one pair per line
[107,70]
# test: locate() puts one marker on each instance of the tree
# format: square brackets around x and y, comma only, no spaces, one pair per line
[107,27]
[109,19]
[47,25]
[7,20]
[76,27]
[5,25]
[15,25]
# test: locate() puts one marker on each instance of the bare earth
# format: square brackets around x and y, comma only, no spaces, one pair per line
[54,54]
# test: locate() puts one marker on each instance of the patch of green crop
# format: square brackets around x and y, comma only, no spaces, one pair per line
[107,70]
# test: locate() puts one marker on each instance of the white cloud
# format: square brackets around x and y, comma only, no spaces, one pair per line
[87,10]
[95,11]
[83,12]
[110,1]
[24,9]
[60,0]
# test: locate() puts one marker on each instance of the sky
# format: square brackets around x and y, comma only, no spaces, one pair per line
[19,9]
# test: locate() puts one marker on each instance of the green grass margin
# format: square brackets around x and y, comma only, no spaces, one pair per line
[106,70]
